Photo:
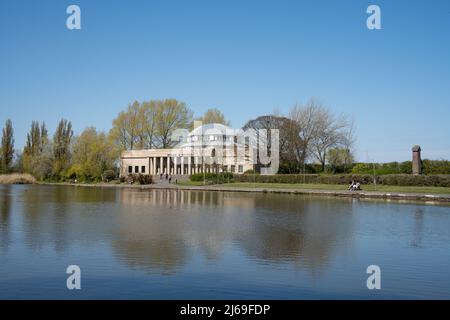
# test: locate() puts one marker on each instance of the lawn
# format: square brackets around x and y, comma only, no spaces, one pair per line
[189,183]
[378,188]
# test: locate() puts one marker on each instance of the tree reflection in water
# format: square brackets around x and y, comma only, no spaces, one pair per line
[161,229]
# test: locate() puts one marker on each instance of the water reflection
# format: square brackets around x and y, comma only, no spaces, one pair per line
[61,216]
[163,229]
[199,244]
[5,216]
[418,227]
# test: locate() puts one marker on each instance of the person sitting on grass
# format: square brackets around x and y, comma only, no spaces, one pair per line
[350,187]
[354,186]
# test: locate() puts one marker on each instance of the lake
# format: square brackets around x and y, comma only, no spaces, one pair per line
[161,244]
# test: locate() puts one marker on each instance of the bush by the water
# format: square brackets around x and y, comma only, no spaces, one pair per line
[109,175]
[389,179]
[139,179]
[17,178]
[212,177]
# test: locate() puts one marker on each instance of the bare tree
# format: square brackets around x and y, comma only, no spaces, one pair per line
[331,132]
[319,130]
[287,129]
[306,118]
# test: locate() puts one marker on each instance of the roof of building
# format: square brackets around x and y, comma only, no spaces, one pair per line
[212,128]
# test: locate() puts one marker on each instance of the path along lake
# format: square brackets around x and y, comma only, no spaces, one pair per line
[174,244]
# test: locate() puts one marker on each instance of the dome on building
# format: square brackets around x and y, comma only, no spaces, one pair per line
[211,128]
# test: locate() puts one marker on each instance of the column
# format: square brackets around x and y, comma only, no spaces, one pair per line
[182,165]
[175,165]
[168,165]
[189,165]
[165,168]
[161,165]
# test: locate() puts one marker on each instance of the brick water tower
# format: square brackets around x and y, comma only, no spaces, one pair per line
[416,160]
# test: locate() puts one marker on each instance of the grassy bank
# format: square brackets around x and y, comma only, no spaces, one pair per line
[17,178]
[189,183]
[378,188]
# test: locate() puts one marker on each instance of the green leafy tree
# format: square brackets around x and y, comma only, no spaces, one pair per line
[93,154]
[7,150]
[37,139]
[126,127]
[171,115]
[340,159]
[61,147]
[214,116]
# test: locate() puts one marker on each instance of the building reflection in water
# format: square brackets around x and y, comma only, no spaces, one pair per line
[162,229]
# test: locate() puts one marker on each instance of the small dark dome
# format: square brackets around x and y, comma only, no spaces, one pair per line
[416,148]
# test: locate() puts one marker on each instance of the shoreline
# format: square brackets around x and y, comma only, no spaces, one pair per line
[422,197]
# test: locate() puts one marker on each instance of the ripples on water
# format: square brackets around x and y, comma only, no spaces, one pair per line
[140,244]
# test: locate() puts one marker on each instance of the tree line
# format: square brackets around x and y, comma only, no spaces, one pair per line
[94,155]
[311,133]
[313,139]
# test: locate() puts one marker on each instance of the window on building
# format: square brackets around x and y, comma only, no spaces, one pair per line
[233,168]
[130,169]
[136,169]
[211,138]
[225,168]
[241,169]
[194,138]
[143,169]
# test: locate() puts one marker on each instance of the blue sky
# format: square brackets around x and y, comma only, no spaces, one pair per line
[245,57]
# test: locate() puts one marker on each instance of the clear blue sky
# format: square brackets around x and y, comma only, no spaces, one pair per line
[245,57]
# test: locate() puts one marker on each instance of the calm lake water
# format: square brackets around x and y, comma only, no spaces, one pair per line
[149,244]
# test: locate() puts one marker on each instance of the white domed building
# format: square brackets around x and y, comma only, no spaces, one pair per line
[208,148]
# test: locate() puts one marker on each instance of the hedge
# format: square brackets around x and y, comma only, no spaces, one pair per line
[429,167]
[389,179]
[212,177]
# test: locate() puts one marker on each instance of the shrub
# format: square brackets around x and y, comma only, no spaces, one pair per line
[17,178]
[139,178]
[108,175]
[144,179]
[212,177]
[436,166]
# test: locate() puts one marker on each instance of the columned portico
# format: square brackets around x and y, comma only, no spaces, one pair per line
[187,159]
